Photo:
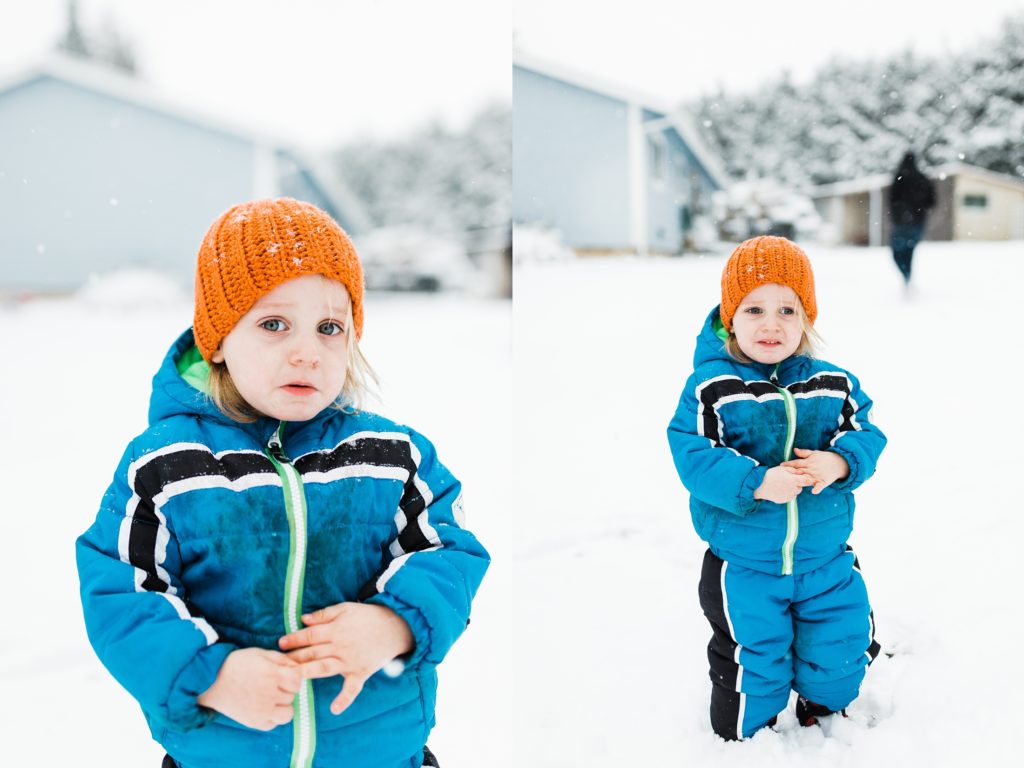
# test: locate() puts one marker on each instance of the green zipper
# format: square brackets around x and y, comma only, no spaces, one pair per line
[792,511]
[304,718]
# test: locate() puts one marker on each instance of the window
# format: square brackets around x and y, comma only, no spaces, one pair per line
[658,155]
[975,201]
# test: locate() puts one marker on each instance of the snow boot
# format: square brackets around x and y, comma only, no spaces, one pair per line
[429,759]
[808,713]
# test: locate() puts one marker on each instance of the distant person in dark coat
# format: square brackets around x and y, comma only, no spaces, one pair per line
[911,196]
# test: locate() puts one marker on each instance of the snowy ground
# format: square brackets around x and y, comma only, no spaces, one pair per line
[587,646]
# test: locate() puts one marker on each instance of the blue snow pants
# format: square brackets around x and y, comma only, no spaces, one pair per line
[810,632]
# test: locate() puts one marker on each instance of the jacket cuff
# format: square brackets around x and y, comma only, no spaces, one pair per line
[417,622]
[746,502]
[851,481]
[183,712]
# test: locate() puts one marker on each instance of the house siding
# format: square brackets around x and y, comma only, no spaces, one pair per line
[570,166]
[90,182]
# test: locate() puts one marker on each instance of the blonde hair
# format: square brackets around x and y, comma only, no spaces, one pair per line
[810,340]
[361,382]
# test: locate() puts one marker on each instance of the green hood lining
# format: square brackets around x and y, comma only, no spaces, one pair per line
[719,328]
[194,370]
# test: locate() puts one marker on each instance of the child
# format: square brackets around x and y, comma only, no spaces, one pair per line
[760,421]
[258,490]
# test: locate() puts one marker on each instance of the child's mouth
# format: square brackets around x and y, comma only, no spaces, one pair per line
[299,389]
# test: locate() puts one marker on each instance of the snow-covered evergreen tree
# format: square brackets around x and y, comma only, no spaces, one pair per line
[858,117]
[444,181]
[107,46]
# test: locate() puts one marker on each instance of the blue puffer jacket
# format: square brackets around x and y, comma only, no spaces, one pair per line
[195,540]
[732,425]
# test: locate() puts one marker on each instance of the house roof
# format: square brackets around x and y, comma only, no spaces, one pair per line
[866,184]
[106,81]
[102,79]
[676,119]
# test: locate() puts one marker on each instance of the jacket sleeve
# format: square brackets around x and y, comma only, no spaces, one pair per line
[857,440]
[137,614]
[433,566]
[711,471]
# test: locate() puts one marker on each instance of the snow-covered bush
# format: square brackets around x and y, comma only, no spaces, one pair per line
[535,245]
[409,258]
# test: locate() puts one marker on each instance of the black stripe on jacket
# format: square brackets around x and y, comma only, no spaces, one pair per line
[379,452]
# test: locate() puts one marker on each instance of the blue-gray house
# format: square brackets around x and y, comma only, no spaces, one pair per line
[96,173]
[611,169]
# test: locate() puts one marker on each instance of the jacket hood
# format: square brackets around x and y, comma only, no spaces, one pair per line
[174,396]
[711,348]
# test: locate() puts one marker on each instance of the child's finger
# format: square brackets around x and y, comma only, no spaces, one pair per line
[281,659]
[318,668]
[802,452]
[324,615]
[302,638]
[290,680]
[282,714]
[303,655]
[351,688]
[795,466]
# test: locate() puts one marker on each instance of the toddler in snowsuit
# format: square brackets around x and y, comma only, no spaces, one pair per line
[273,574]
[771,444]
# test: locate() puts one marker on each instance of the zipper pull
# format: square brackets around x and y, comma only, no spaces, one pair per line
[775,375]
[275,446]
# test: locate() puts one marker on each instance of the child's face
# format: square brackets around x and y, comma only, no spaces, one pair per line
[288,355]
[767,323]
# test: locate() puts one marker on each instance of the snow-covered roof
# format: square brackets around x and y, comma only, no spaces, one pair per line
[318,169]
[105,80]
[674,118]
[866,184]
[850,186]
[963,169]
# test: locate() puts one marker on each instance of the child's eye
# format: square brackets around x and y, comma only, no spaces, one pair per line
[273,324]
[753,310]
[787,311]
[330,328]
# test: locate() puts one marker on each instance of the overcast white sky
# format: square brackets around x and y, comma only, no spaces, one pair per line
[677,51]
[312,71]
[321,72]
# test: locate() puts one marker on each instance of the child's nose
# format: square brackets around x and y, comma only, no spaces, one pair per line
[305,352]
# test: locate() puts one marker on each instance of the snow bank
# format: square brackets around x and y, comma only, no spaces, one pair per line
[132,289]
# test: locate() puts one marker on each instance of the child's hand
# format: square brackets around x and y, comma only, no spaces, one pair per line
[255,687]
[349,639]
[823,467]
[782,484]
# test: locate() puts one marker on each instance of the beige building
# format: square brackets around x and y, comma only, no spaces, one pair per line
[971,204]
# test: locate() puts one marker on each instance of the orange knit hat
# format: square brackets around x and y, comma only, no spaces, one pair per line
[763,260]
[254,247]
